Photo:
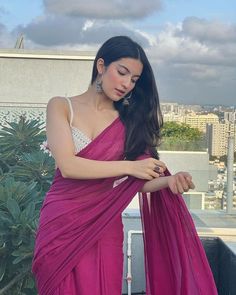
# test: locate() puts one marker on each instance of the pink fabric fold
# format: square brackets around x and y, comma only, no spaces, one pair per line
[175,260]
[76,214]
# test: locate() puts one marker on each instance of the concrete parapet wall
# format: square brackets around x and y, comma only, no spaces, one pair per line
[36,76]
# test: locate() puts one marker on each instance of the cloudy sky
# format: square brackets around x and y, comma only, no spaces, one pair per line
[191,44]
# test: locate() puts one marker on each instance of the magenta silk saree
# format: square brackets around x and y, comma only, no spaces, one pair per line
[77,214]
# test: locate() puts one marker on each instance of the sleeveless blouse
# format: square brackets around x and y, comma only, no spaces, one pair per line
[80,140]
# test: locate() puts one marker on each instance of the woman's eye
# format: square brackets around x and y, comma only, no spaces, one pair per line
[134,81]
[121,73]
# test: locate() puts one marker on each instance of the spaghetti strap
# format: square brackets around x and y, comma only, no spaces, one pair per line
[71,110]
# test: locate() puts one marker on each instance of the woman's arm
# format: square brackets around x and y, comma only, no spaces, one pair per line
[178,183]
[61,145]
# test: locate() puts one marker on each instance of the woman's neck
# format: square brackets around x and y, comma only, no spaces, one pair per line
[98,101]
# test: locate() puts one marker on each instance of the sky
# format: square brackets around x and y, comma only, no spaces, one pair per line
[191,44]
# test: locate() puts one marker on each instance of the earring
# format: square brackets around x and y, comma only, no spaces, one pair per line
[99,85]
[126,99]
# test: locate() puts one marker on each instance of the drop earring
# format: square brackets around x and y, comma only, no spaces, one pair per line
[126,99]
[99,84]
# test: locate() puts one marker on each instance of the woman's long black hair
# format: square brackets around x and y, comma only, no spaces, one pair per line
[142,117]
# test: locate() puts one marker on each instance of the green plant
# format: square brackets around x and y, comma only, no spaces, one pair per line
[25,176]
[38,167]
[19,212]
[17,138]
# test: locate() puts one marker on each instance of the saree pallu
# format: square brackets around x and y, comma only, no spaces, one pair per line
[78,214]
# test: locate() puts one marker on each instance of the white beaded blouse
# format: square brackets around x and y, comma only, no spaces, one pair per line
[79,138]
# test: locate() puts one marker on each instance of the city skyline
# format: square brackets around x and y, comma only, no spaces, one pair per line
[191,44]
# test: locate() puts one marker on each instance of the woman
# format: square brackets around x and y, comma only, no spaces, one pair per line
[104,144]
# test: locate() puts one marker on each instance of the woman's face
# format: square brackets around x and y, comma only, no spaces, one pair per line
[120,77]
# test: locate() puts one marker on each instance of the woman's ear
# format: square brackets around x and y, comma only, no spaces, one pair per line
[100,66]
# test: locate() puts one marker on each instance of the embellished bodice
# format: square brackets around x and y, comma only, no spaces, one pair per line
[80,140]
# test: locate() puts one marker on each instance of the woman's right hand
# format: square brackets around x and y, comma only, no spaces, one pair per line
[148,169]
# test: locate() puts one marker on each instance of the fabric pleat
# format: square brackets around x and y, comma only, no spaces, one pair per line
[78,247]
[175,259]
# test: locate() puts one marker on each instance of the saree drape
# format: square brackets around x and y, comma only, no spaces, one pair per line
[76,214]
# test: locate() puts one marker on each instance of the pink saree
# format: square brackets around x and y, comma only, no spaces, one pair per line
[78,248]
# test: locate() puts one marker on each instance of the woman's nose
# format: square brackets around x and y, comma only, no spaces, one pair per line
[126,82]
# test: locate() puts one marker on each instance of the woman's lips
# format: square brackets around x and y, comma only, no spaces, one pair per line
[119,92]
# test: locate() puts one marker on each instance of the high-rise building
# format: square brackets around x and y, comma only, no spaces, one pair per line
[170,107]
[200,121]
[217,137]
[194,120]
[230,116]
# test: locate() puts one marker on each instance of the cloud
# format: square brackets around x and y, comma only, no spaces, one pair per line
[208,31]
[51,30]
[193,66]
[88,24]
[105,9]
[175,46]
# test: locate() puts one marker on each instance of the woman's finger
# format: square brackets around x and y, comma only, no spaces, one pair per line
[191,184]
[158,169]
[160,164]
[184,182]
[179,186]
[174,188]
[153,173]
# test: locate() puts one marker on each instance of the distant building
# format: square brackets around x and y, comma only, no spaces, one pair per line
[217,137]
[179,109]
[230,116]
[170,107]
[172,117]
[200,121]
[194,120]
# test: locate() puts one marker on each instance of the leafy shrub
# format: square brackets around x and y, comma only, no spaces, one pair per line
[25,176]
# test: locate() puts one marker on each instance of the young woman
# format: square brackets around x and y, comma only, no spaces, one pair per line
[104,144]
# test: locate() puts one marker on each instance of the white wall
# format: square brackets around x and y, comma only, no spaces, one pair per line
[36,76]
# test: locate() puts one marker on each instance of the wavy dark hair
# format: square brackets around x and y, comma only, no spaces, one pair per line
[142,117]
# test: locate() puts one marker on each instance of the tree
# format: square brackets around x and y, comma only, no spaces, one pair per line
[176,136]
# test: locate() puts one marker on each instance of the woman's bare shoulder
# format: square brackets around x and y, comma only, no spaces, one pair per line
[57,100]
[58,103]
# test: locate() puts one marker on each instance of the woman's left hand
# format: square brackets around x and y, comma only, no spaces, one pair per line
[180,182]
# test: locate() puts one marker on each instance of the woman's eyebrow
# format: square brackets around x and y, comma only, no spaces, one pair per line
[127,70]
